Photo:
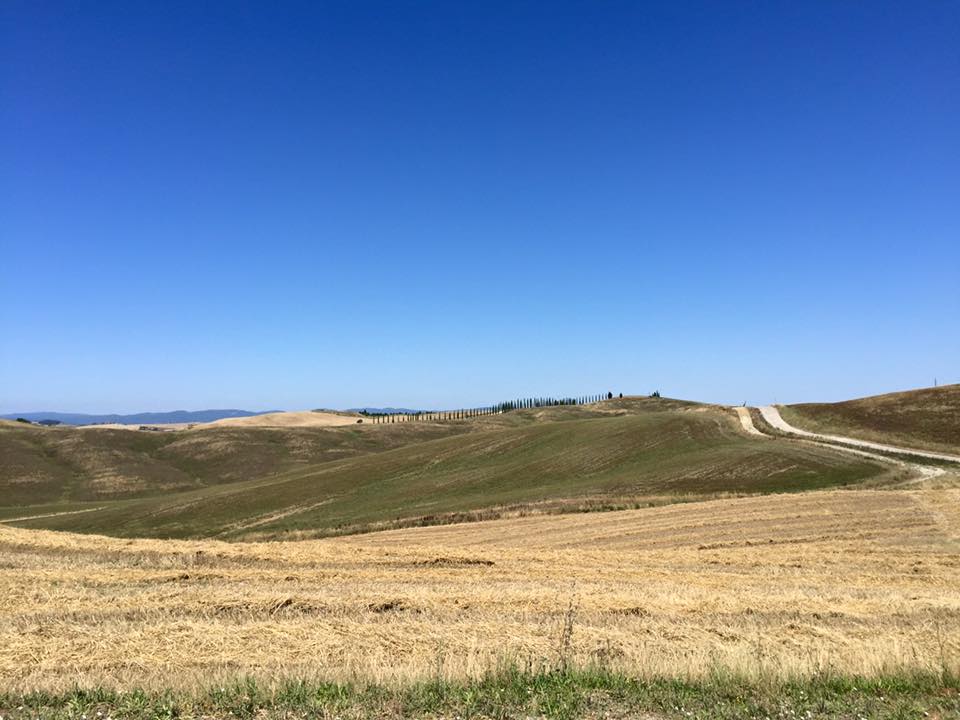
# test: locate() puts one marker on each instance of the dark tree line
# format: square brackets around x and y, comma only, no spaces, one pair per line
[496,409]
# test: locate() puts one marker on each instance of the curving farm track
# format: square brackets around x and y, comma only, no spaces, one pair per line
[772,415]
[863,448]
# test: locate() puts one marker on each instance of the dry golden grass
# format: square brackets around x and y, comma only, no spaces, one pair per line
[302,418]
[285,419]
[855,581]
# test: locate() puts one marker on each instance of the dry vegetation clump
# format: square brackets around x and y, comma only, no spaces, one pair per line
[861,582]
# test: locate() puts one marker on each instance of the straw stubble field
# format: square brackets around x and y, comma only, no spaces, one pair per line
[860,582]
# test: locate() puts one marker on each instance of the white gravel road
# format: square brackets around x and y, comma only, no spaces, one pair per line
[747,421]
[772,415]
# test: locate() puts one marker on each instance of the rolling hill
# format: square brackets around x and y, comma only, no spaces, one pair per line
[67,465]
[926,419]
[327,481]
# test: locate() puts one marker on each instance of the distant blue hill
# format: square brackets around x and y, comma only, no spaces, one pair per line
[385,411]
[148,418]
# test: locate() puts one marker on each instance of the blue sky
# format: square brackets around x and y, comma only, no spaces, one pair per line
[295,205]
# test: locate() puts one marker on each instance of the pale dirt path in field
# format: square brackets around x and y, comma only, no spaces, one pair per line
[772,415]
[49,515]
[922,472]
[744,414]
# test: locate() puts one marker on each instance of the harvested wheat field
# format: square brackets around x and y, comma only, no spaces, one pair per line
[300,418]
[860,582]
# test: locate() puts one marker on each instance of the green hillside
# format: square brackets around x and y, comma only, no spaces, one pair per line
[926,419]
[68,464]
[628,451]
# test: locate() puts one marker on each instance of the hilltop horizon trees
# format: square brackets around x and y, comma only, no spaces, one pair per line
[495,409]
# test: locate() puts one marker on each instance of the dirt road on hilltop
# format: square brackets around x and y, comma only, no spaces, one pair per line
[747,421]
[772,415]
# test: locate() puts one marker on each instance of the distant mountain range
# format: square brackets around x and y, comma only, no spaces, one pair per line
[148,418]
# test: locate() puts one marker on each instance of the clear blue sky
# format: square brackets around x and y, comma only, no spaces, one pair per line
[293,205]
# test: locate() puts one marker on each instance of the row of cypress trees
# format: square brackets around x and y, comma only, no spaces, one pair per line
[497,409]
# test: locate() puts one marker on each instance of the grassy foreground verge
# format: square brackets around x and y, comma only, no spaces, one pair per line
[513,693]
